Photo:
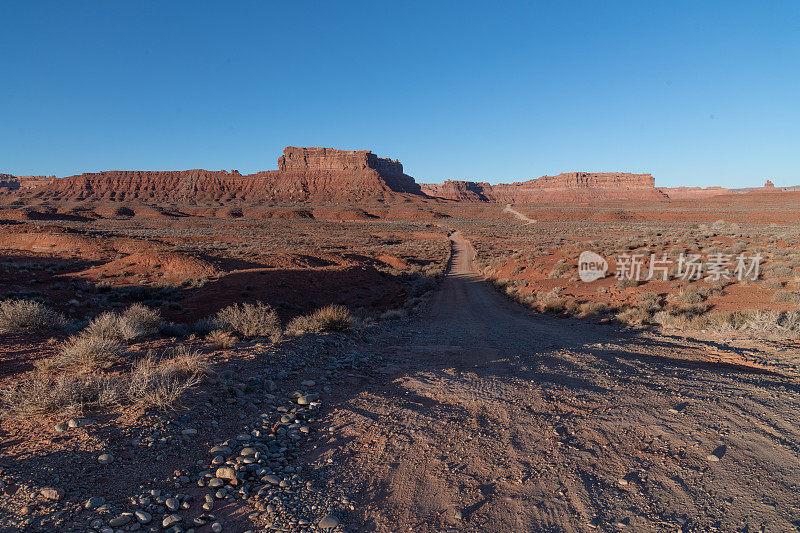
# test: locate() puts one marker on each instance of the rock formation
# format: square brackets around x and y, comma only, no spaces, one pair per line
[9,182]
[571,186]
[13,183]
[317,174]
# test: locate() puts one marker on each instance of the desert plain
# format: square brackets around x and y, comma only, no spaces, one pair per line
[332,346]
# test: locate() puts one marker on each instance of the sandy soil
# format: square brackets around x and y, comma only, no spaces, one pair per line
[486,417]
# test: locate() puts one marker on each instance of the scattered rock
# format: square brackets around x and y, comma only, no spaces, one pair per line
[52,493]
[121,520]
[94,502]
[105,459]
[329,522]
[143,517]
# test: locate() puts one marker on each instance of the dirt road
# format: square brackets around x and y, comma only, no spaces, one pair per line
[485,417]
[519,215]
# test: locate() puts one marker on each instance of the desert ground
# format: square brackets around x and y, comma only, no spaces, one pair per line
[402,365]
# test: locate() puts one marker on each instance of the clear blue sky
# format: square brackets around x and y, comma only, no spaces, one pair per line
[698,93]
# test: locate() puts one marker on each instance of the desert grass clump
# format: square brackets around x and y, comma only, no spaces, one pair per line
[87,352]
[627,283]
[778,270]
[559,269]
[19,315]
[135,322]
[634,315]
[42,393]
[161,383]
[250,320]
[693,295]
[592,309]
[786,296]
[330,318]
[221,339]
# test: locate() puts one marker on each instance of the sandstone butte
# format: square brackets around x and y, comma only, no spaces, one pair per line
[330,175]
[569,186]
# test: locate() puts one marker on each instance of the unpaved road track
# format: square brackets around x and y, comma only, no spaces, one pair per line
[519,215]
[523,422]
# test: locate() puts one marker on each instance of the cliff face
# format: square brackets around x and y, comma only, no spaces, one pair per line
[570,186]
[13,183]
[330,175]
[469,191]
[320,174]
[9,182]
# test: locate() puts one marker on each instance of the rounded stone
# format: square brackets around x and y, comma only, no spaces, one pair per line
[105,459]
[143,516]
[329,521]
[94,502]
[52,493]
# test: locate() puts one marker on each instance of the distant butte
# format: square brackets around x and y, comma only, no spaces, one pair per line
[316,174]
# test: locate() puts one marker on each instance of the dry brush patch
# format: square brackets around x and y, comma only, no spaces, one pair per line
[150,381]
[21,315]
[329,318]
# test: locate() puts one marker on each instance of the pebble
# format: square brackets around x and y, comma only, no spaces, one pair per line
[94,502]
[52,494]
[143,516]
[61,428]
[226,472]
[712,458]
[105,459]
[120,520]
[171,520]
[328,522]
[216,527]
[220,450]
[172,504]
[274,480]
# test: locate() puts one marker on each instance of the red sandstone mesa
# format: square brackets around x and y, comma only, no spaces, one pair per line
[570,186]
[331,175]
[318,174]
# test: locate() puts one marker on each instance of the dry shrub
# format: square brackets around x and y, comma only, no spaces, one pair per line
[762,324]
[559,269]
[786,296]
[592,309]
[152,382]
[330,318]
[18,315]
[634,315]
[135,322]
[778,270]
[649,301]
[42,393]
[221,340]
[559,304]
[161,383]
[250,320]
[693,295]
[87,353]
[627,283]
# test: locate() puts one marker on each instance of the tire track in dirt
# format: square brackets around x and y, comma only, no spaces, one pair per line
[496,419]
